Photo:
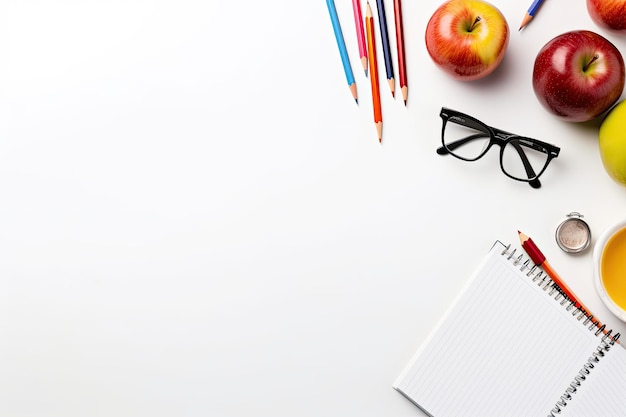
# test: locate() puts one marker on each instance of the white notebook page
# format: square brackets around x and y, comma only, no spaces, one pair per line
[505,348]
[603,393]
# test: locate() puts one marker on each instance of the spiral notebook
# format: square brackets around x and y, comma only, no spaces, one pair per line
[513,345]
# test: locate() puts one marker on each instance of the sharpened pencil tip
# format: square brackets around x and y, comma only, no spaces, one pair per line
[404,103]
[365,73]
[525,21]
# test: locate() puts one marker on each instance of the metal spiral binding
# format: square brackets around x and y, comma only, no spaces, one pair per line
[546,283]
[605,345]
[540,278]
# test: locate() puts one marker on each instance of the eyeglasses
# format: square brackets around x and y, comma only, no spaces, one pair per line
[521,158]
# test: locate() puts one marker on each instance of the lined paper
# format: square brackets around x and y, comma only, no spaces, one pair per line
[604,392]
[505,348]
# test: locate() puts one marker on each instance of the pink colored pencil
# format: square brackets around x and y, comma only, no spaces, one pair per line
[360,33]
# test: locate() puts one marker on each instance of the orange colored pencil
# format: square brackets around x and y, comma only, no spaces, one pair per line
[539,259]
[371,54]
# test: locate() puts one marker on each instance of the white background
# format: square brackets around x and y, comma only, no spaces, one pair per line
[196,219]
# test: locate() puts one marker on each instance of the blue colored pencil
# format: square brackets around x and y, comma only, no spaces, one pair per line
[384,35]
[531,12]
[347,68]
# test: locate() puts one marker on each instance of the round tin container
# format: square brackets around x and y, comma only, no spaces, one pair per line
[573,234]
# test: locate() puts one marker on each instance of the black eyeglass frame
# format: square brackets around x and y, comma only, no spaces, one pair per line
[496,137]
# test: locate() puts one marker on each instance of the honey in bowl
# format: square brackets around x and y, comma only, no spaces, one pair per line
[613,267]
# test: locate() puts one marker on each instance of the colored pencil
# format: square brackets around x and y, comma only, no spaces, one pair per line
[371,53]
[530,13]
[404,86]
[384,35]
[347,68]
[360,33]
[539,259]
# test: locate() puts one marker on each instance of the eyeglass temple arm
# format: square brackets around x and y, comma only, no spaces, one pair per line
[530,172]
[444,150]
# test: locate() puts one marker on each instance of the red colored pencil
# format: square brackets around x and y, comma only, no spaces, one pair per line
[397,9]
[371,52]
[539,259]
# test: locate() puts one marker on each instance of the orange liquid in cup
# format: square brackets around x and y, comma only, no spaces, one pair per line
[614,268]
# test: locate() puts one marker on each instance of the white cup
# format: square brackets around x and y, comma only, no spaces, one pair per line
[600,257]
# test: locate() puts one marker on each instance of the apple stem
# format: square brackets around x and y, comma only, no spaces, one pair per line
[478,19]
[595,57]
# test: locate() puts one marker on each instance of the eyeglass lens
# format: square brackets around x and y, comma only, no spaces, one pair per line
[517,152]
[464,141]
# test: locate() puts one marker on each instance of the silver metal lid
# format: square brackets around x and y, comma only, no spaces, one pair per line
[573,234]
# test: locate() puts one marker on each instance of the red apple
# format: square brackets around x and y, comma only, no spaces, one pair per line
[578,75]
[609,14]
[467,38]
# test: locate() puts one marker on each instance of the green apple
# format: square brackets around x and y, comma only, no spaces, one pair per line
[612,142]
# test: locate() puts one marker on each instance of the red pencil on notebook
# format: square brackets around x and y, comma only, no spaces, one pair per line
[539,259]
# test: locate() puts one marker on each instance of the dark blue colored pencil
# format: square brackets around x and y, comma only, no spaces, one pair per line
[384,35]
